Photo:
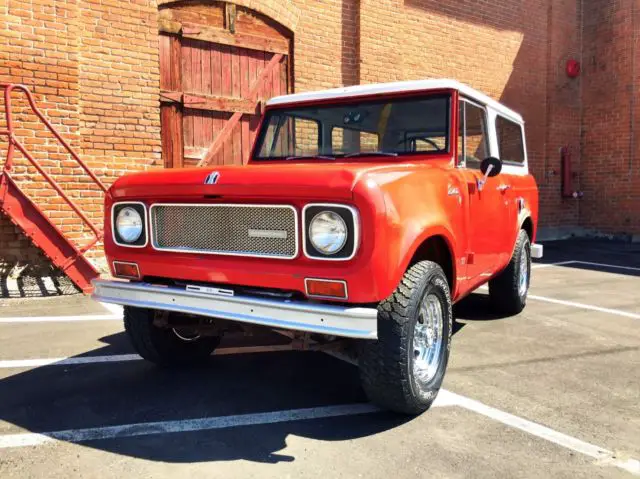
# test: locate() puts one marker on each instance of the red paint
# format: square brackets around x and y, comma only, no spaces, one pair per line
[37,227]
[402,203]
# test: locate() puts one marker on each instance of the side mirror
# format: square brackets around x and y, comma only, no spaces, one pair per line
[489,167]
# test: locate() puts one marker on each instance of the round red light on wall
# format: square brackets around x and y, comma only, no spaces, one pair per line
[573,68]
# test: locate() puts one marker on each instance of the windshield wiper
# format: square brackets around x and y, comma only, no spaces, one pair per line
[306,157]
[371,153]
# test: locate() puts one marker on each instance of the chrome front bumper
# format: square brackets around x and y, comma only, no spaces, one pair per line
[352,322]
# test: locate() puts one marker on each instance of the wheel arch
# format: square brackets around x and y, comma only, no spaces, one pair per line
[434,245]
[526,223]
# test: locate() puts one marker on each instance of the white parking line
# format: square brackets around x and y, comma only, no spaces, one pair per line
[200,424]
[604,265]
[188,425]
[603,456]
[547,265]
[61,319]
[115,358]
[589,307]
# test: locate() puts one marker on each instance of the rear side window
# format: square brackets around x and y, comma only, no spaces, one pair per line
[510,141]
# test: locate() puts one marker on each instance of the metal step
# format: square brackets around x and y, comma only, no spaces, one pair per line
[45,235]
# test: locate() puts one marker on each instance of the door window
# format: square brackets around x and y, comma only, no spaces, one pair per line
[510,143]
[472,135]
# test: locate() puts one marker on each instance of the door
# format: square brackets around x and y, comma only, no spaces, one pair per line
[488,205]
[218,64]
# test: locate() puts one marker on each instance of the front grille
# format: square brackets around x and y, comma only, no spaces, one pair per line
[243,230]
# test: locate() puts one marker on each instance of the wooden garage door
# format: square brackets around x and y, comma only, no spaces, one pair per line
[218,64]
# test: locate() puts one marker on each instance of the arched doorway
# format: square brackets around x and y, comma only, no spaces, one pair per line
[218,63]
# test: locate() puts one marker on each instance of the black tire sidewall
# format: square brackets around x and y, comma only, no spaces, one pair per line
[524,248]
[434,283]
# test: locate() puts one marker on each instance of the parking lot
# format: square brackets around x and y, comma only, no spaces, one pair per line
[552,392]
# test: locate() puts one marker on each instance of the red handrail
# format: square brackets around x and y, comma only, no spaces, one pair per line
[15,143]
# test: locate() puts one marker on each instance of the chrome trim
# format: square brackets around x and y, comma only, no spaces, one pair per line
[346,321]
[226,253]
[356,230]
[113,263]
[146,224]
[537,250]
[306,289]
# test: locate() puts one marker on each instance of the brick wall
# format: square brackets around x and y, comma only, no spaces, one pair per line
[610,166]
[94,67]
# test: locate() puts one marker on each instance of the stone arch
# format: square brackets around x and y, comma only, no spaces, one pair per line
[283,12]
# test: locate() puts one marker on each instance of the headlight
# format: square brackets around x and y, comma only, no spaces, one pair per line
[328,232]
[129,225]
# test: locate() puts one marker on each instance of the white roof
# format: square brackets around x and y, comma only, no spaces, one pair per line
[392,87]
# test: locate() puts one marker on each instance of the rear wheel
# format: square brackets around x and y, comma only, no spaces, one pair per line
[166,346]
[508,291]
[403,369]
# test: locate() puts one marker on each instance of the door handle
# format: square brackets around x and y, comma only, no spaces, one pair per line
[503,187]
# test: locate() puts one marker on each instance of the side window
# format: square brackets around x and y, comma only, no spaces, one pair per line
[475,135]
[510,144]
[461,121]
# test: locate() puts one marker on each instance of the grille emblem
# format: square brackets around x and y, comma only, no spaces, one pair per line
[271,234]
[212,178]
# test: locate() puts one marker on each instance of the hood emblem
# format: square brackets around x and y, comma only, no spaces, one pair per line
[212,178]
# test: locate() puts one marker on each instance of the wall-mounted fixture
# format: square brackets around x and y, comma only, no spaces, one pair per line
[572,67]
[567,175]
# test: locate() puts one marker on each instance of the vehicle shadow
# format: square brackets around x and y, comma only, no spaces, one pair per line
[71,397]
[475,307]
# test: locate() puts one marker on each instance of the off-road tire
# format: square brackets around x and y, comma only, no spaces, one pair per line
[161,346]
[386,364]
[503,289]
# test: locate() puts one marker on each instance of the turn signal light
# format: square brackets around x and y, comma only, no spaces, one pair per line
[126,270]
[326,288]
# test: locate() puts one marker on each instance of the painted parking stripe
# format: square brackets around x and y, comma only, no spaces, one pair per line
[589,307]
[61,319]
[188,425]
[547,265]
[605,265]
[603,456]
[116,358]
[191,425]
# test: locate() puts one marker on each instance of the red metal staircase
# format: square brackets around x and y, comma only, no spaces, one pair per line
[24,213]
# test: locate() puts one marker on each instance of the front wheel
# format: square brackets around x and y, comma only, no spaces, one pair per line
[166,346]
[404,368]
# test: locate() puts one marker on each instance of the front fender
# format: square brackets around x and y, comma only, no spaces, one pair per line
[417,208]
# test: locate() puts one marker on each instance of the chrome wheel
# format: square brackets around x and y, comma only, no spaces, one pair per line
[427,339]
[524,274]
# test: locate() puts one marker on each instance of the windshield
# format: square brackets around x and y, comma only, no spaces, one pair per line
[389,127]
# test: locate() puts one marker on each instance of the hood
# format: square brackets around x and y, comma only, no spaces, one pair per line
[293,180]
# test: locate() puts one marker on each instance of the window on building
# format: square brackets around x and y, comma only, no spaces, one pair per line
[510,141]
